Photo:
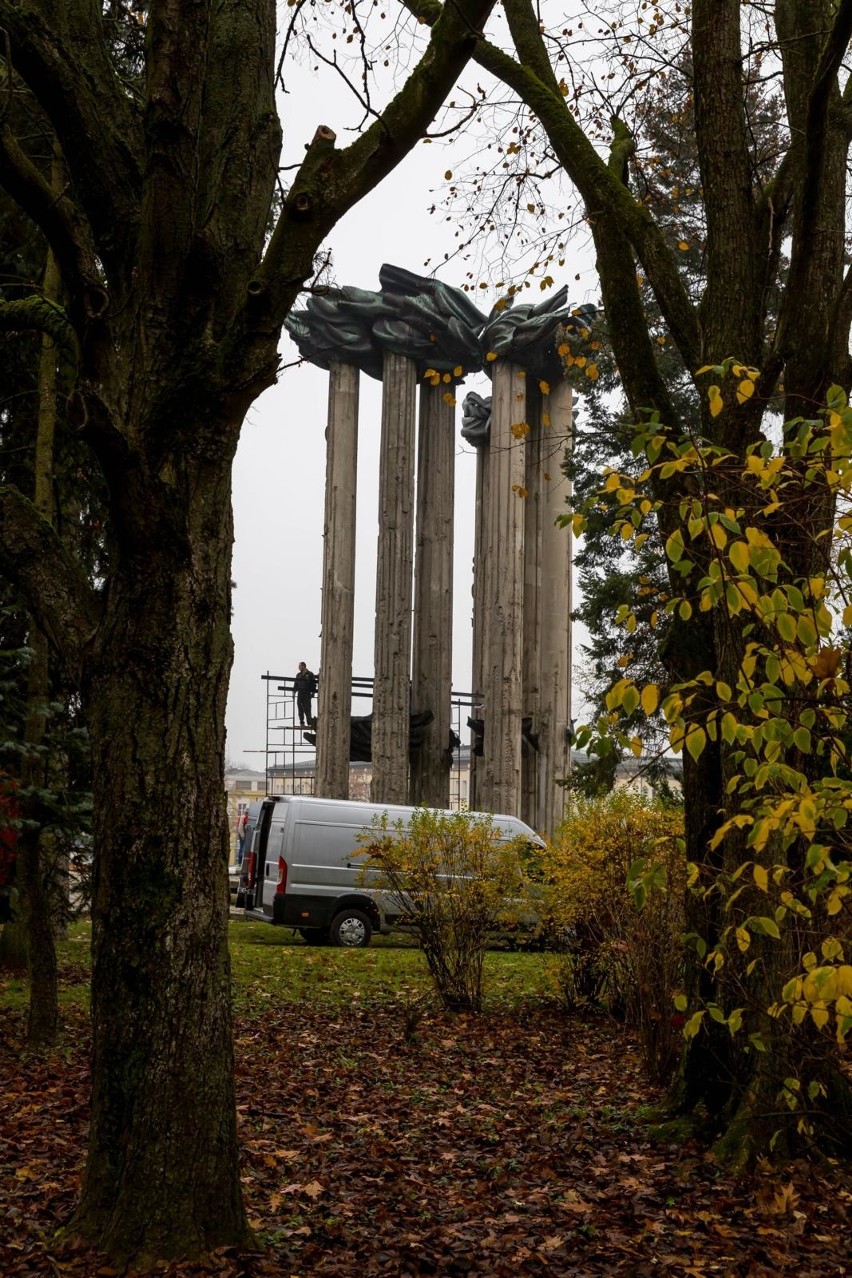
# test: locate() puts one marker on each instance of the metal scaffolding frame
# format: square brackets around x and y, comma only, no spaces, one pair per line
[291,760]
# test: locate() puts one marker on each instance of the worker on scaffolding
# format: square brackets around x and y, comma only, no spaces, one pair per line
[304,688]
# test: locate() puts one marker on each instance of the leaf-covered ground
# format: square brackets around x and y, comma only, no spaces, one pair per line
[512,1143]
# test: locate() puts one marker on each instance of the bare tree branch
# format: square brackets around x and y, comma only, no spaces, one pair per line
[330,182]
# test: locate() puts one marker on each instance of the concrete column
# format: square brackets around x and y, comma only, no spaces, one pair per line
[533,621]
[555,641]
[480,628]
[433,595]
[503,609]
[338,576]
[391,692]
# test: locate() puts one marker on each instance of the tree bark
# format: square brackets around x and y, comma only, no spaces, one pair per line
[154,691]
[36,903]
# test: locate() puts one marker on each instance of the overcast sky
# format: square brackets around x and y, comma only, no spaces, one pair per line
[279,470]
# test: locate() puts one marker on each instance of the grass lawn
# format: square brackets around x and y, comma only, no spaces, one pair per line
[269,964]
[383,1138]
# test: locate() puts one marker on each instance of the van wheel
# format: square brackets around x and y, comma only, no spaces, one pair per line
[351,929]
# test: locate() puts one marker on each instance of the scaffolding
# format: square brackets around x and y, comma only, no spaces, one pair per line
[291,757]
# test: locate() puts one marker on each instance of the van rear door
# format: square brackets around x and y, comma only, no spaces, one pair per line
[254,859]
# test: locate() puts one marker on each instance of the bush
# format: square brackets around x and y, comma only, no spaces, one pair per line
[458,885]
[616,893]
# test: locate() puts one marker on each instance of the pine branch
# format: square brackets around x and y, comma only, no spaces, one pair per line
[58,49]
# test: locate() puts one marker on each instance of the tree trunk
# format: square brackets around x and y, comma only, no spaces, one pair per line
[35,899]
[162,1174]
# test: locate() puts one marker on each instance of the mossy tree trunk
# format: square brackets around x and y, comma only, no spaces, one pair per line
[155,687]
[176,294]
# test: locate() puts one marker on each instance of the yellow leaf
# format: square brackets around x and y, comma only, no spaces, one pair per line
[761,876]
[650,698]
[491,356]
[745,390]
[520,430]
[592,372]
[716,402]
[738,555]
[683,246]
[458,370]
[544,387]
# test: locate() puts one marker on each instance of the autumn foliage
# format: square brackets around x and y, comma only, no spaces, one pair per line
[460,884]
[771,927]
[616,883]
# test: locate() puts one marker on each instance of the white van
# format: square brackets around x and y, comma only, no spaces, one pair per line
[303,866]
